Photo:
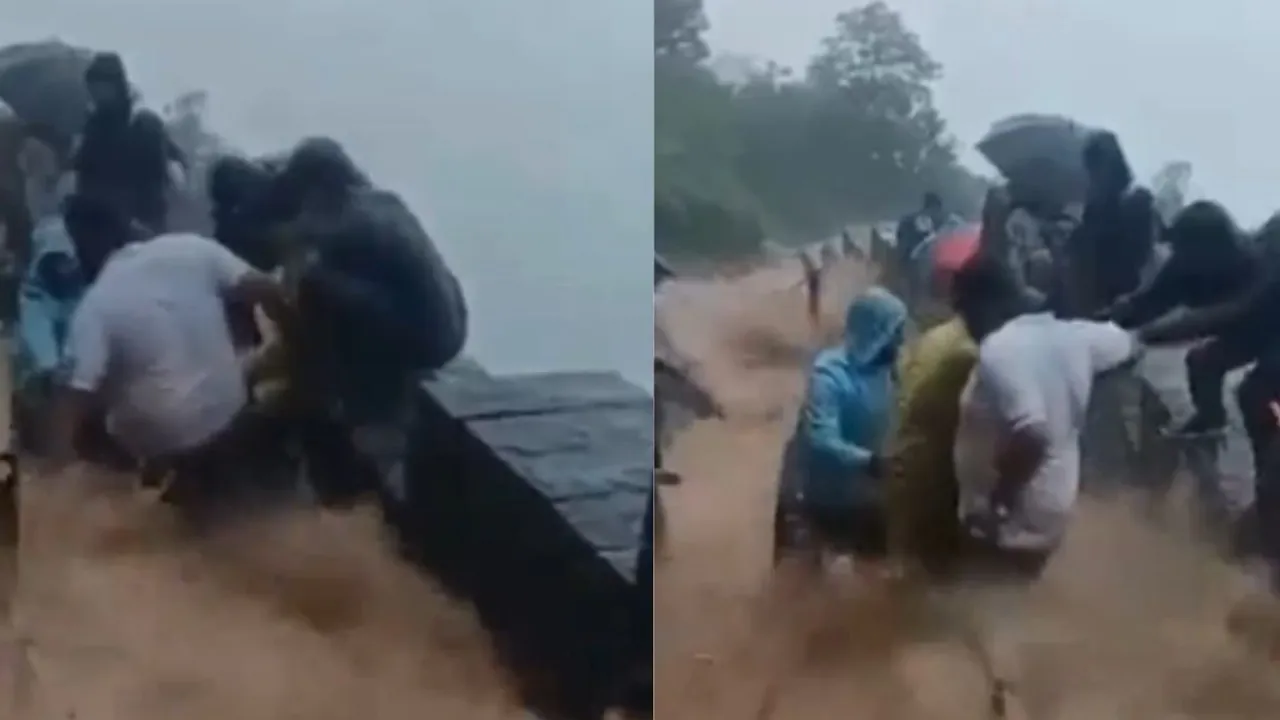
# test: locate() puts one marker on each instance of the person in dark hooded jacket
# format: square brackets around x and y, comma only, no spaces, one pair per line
[124,152]
[376,305]
[1117,233]
[1211,267]
[1230,284]
[392,309]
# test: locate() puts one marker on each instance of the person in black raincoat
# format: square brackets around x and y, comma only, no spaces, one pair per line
[1213,269]
[125,151]
[376,308]
[1117,233]
[1231,284]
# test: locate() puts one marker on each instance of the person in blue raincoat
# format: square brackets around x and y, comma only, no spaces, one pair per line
[48,294]
[846,418]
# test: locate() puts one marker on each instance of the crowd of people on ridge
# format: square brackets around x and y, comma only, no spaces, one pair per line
[138,342]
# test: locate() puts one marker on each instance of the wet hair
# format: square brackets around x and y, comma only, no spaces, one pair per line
[1102,154]
[1202,224]
[984,284]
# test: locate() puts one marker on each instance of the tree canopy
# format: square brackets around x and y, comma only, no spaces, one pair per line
[793,156]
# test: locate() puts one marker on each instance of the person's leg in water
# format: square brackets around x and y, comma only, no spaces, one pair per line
[1256,395]
[1207,368]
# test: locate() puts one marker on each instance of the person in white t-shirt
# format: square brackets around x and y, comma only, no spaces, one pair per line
[150,345]
[1017,449]
[1023,410]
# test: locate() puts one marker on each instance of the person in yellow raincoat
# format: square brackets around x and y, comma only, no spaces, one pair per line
[924,529]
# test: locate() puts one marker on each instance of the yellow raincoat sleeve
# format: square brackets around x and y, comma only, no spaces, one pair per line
[922,492]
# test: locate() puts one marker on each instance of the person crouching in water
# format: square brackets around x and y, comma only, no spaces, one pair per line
[846,418]
[1017,451]
[150,345]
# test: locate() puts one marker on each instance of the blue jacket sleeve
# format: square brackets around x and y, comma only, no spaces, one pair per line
[822,425]
[36,331]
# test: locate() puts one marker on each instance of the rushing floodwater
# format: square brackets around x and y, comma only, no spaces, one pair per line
[1129,622]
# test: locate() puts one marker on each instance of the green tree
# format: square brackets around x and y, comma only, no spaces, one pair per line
[678,26]
[793,158]
[886,141]
[701,205]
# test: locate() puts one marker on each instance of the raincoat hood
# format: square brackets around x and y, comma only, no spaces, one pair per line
[874,322]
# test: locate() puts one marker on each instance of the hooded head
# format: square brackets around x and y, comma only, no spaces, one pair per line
[1104,161]
[1205,237]
[874,328]
[107,82]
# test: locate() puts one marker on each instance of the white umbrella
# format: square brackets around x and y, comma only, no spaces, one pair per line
[1040,156]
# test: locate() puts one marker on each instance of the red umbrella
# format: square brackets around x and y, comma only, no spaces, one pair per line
[953,249]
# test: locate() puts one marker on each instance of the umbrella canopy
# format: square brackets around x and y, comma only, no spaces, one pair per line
[1040,155]
[953,249]
[43,82]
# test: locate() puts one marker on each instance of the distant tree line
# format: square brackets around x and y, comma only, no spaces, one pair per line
[794,156]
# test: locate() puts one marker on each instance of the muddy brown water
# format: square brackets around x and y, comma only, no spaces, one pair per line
[1129,622]
[306,616]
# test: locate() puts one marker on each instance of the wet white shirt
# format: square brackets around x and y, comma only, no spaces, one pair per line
[1035,371]
[151,337]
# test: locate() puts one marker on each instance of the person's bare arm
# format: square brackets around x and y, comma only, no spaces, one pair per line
[258,289]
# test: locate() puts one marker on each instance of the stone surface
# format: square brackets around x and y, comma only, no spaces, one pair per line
[527,495]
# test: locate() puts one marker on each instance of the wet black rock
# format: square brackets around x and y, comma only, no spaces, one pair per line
[528,496]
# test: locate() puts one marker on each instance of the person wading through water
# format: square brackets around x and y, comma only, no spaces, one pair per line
[375,308]
[922,489]
[913,229]
[1017,451]
[812,287]
[834,479]
[125,153]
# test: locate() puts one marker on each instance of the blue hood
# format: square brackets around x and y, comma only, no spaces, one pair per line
[849,407]
[874,322]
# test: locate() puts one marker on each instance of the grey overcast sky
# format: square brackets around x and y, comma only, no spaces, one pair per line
[1177,79]
[521,131]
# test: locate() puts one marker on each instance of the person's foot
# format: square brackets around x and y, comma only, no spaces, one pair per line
[1200,425]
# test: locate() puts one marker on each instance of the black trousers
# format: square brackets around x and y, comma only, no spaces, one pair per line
[1208,365]
[1260,388]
